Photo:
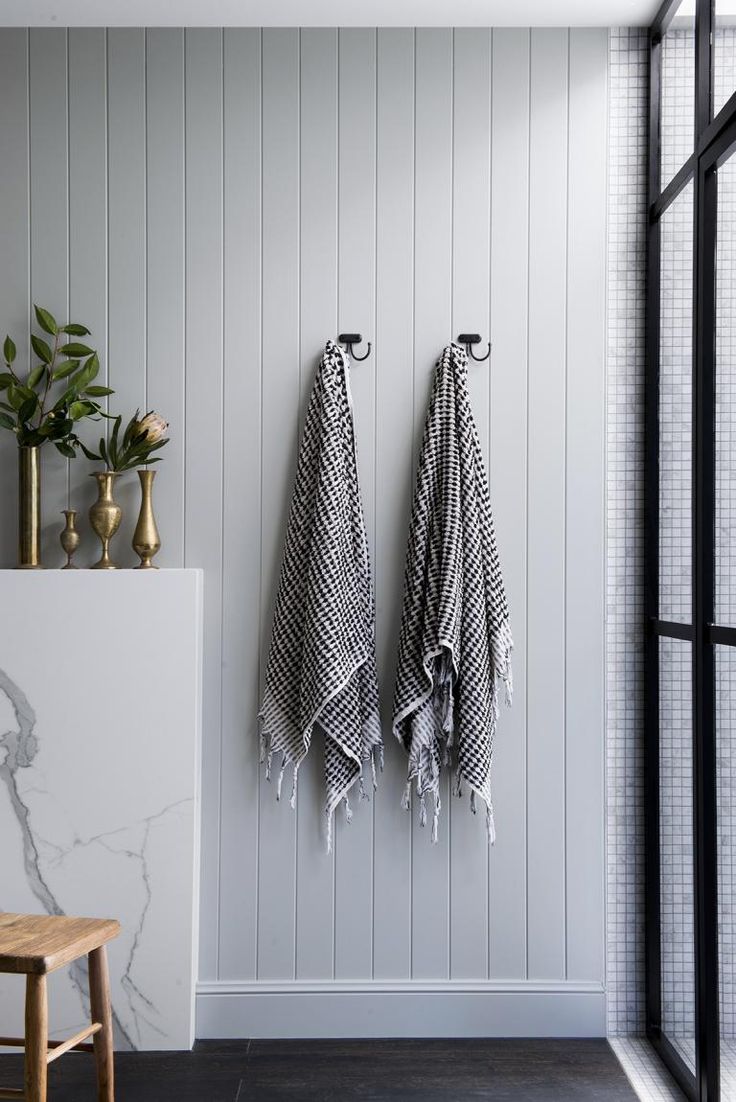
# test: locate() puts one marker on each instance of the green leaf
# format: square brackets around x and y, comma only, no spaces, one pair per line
[90,454]
[15,396]
[75,330]
[6,380]
[8,350]
[76,349]
[7,421]
[78,410]
[28,408]
[36,375]
[41,349]
[99,391]
[66,449]
[92,366]
[46,320]
[65,368]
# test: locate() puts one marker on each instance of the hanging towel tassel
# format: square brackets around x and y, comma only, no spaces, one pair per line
[406,798]
[348,811]
[472,801]
[281,776]
[422,810]
[269,759]
[292,801]
[361,786]
[490,825]
[458,786]
[436,818]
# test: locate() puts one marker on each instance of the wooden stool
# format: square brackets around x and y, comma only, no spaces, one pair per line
[34,945]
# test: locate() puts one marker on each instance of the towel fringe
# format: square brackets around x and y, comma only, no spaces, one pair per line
[292,801]
[406,798]
[281,776]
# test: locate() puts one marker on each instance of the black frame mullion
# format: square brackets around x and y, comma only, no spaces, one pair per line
[704,758]
[711,141]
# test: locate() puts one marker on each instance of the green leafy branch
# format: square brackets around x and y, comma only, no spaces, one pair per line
[58,392]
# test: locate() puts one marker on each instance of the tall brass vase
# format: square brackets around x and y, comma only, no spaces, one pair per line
[104,516]
[29,509]
[146,541]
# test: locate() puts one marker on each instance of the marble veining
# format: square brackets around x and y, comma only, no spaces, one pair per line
[21,747]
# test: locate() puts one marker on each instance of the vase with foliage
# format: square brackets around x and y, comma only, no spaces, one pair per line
[142,436]
[45,406]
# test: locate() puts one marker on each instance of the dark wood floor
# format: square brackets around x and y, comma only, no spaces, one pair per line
[337,1071]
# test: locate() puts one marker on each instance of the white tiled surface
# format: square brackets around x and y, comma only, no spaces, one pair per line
[645,1071]
[627,205]
[625,583]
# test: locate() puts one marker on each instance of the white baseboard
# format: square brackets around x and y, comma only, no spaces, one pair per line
[410,1009]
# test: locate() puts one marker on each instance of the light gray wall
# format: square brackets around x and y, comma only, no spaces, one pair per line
[215,206]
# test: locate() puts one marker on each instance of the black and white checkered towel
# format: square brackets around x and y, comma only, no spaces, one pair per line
[322,662]
[455,640]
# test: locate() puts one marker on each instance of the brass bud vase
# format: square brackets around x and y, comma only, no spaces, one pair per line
[29,509]
[104,516]
[69,538]
[146,541]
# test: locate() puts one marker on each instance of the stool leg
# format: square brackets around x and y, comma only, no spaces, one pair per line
[99,998]
[37,1035]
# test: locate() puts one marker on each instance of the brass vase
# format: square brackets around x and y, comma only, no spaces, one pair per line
[69,538]
[104,516]
[29,509]
[146,541]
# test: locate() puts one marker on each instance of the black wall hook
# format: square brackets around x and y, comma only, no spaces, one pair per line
[469,339]
[350,339]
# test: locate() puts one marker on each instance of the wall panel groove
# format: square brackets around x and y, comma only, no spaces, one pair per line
[222,203]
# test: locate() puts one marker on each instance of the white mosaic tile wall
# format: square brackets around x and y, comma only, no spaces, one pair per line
[627,219]
[625,588]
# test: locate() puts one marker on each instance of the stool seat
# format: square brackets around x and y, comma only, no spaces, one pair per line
[39,944]
[33,945]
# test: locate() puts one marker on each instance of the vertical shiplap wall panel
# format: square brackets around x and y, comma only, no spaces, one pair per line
[165,274]
[430,870]
[394,399]
[88,235]
[126,372]
[249,194]
[14,250]
[356,313]
[546,868]
[586,249]
[508,476]
[471,307]
[279,428]
[241,500]
[315,904]
[203,472]
[49,230]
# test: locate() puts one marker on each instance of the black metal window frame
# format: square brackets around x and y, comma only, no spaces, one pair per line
[714,142]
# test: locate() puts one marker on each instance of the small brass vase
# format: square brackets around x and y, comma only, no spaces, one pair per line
[146,540]
[29,509]
[69,538]
[104,516]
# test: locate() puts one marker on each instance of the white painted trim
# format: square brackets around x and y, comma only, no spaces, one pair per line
[421,1009]
[396,987]
[326,13]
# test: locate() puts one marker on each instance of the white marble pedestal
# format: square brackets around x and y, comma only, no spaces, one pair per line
[99,747]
